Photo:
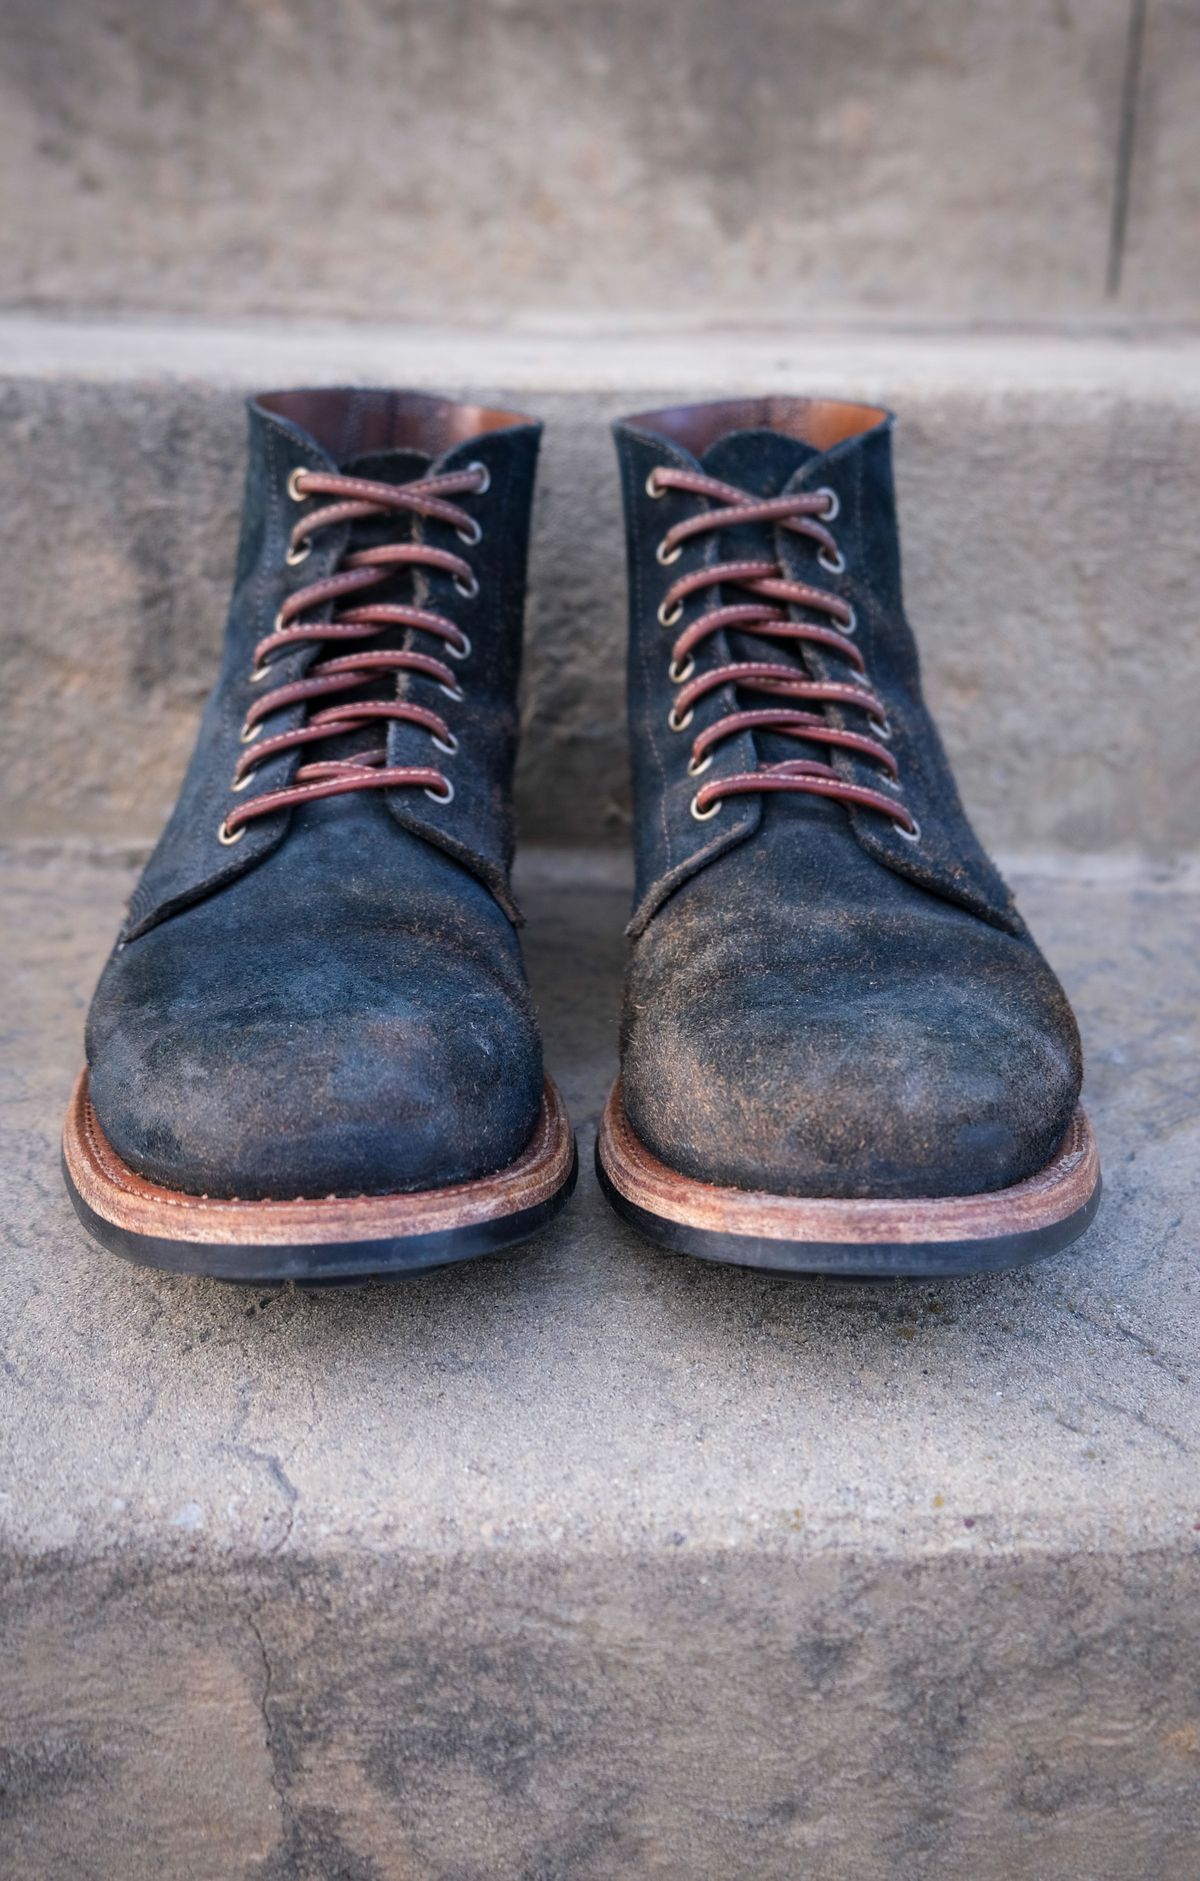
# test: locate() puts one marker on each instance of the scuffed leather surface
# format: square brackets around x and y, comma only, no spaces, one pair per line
[349,1017]
[833,1029]
[189,861]
[813,1005]
[336,1003]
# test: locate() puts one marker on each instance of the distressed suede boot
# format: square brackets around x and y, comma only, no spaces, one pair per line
[312,1054]
[841,1050]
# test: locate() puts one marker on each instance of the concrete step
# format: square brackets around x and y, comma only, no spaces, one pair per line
[940,159]
[1047,503]
[606,1564]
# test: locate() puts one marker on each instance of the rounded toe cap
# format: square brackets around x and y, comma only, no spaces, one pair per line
[919,1088]
[345,1086]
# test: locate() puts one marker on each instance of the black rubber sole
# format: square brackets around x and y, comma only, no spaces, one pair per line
[912,1260]
[327,1264]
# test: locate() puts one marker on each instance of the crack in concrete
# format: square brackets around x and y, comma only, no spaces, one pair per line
[287,1813]
[1172,1367]
[1126,145]
[268,1460]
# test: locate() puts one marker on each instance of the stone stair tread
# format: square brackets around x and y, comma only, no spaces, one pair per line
[599,1395]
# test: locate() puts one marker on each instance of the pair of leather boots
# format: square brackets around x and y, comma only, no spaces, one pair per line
[313,1055]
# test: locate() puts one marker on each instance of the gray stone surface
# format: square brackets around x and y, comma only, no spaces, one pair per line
[1047,502]
[603,1563]
[482,160]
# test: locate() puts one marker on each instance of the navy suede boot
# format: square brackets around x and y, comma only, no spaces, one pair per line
[841,1050]
[312,1054]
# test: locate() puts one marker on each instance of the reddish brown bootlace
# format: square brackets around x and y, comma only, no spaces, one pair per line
[357,498]
[766,615]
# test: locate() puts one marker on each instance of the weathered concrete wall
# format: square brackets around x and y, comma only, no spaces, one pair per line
[688,160]
[1047,506]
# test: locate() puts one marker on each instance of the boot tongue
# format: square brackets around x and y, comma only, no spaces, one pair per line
[398,466]
[761,462]
[394,467]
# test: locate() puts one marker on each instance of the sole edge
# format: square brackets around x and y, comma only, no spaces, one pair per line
[326,1240]
[927,1238]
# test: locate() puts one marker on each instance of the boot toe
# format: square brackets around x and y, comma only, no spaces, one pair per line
[951,1086]
[221,1075]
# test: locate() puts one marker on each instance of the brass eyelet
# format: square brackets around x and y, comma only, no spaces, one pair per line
[653,487]
[679,675]
[438,796]
[485,473]
[258,674]
[223,835]
[461,651]
[249,733]
[448,747]
[297,495]
[472,535]
[672,555]
[669,620]
[704,816]
[240,783]
[833,565]
[300,553]
[833,508]
[468,589]
[698,770]
[679,724]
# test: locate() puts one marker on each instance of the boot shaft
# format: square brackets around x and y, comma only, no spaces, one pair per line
[394,438]
[850,561]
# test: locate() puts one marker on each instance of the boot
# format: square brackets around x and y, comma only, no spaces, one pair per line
[312,1054]
[841,1050]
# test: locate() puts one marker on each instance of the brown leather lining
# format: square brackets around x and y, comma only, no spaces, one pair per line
[821,422]
[347,421]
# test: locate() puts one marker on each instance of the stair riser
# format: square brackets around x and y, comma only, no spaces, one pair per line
[1049,545]
[938,158]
